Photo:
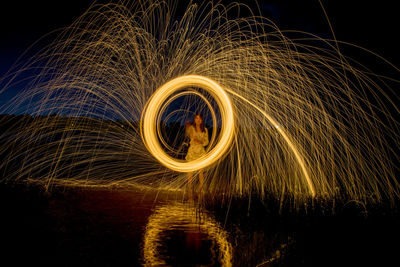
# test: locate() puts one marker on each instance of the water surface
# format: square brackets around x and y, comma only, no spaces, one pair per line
[120,227]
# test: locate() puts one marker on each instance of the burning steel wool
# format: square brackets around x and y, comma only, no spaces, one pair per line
[291,118]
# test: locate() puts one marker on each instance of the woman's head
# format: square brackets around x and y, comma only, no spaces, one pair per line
[198,121]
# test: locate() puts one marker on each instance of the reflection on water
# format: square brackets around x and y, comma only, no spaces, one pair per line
[86,227]
[198,227]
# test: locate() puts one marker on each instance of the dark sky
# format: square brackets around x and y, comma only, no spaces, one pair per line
[24,22]
[371,24]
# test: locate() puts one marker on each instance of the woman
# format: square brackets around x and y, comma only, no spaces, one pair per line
[198,135]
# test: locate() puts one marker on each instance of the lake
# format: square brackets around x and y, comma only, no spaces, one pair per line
[136,227]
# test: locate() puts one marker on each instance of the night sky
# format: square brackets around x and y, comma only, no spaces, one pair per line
[370,24]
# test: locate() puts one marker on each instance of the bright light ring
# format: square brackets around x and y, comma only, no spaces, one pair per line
[149,121]
[165,105]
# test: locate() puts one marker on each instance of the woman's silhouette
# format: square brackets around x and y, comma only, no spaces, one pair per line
[198,135]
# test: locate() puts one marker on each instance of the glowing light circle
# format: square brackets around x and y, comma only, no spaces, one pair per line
[149,118]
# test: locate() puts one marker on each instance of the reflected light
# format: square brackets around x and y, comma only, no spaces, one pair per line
[167,216]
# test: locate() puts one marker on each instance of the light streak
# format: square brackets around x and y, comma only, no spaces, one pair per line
[288,141]
[149,122]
